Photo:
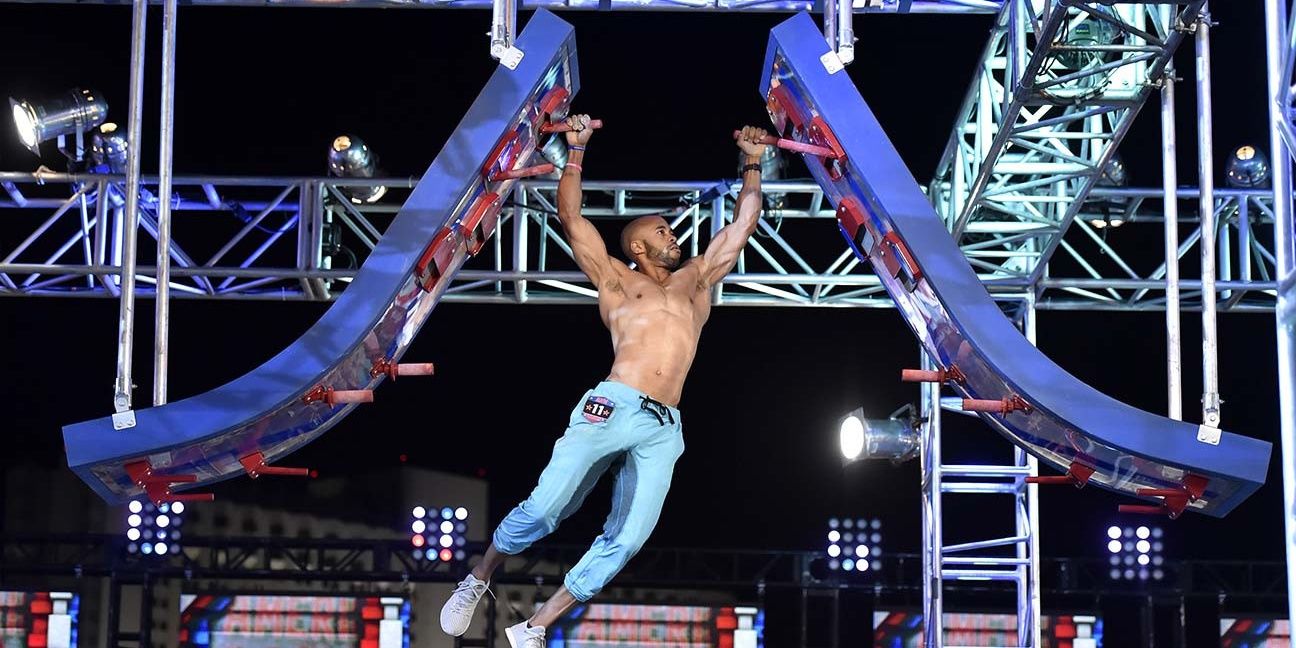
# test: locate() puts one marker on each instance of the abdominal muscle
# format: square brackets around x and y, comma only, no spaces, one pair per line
[654,347]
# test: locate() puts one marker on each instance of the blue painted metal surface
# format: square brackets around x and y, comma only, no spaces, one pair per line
[889,222]
[374,319]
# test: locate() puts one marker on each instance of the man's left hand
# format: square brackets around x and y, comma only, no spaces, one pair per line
[750,141]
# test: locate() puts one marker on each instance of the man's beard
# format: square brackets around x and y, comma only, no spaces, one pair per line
[668,258]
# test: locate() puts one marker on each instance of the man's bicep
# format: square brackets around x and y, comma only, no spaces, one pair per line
[721,255]
[587,248]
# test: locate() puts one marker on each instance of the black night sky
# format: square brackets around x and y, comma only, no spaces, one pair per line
[263,91]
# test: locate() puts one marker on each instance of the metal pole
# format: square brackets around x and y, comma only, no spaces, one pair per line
[520,261]
[1206,169]
[845,31]
[1027,512]
[162,314]
[1169,180]
[126,320]
[503,25]
[1279,94]
[830,22]
[930,458]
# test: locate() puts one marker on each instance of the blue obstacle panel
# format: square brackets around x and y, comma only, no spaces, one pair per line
[888,221]
[284,404]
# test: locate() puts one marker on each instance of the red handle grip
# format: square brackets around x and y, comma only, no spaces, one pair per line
[921,375]
[348,396]
[794,146]
[1141,508]
[280,470]
[562,127]
[1162,492]
[189,497]
[524,172]
[980,405]
[1051,479]
[415,369]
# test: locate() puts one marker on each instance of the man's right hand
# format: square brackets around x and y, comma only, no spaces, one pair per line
[580,131]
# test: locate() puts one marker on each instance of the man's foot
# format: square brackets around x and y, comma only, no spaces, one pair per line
[524,636]
[457,612]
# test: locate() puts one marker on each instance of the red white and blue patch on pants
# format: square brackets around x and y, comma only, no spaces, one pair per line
[598,409]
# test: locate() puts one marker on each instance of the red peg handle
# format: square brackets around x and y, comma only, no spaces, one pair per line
[794,146]
[348,396]
[524,172]
[166,479]
[921,375]
[1161,492]
[562,127]
[188,497]
[415,369]
[280,470]
[1141,508]
[1051,479]
[255,466]
[981,405]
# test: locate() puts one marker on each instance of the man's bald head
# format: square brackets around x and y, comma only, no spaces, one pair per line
[638,230]
[649,239]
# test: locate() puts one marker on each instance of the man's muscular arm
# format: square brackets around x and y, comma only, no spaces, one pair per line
[722,253]
[586,243]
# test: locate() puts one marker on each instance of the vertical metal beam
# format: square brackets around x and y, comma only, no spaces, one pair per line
[1276,45]
[126,320]
[846,31]
[830,22]
[930,459]
[1027,513]
[520,221]
[162,312]
[1206,169]
[503,26]
[717,222]
[1170,208]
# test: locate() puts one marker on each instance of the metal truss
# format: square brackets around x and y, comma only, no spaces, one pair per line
[391,560]
[303,238]
[1280,50]
[1057,88]
[725,6]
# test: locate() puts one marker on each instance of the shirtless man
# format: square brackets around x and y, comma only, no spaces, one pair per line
[628,422]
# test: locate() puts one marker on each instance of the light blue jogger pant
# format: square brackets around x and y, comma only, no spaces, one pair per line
[612,426]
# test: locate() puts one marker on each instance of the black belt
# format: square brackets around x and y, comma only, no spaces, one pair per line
[658,409]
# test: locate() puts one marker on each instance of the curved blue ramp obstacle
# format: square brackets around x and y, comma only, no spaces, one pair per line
[297,395]
[1038,406]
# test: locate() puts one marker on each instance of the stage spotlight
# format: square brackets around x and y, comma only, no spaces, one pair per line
[1112,210]
[350,157]
[72,113]
[1089,33]
[108,149]
[1248,168]
[894,438]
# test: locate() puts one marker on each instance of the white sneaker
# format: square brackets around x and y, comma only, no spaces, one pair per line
[524,636]
[457,612]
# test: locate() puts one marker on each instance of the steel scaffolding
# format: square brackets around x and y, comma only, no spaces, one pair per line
[1022,178]
[1281,57]
[301,239]
[1057,88]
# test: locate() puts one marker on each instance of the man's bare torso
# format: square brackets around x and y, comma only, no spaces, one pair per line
[655,327]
